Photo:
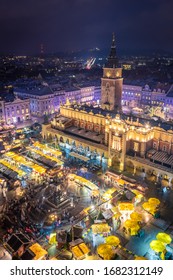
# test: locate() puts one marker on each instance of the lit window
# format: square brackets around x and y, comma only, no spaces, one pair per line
[164,148]
[154,145]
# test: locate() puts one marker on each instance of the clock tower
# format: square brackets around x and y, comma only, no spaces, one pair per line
[112,82]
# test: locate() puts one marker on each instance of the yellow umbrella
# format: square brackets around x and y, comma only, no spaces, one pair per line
[112,240]
[126,206]
[105,251]
[133,226]
[146,205]
[130,223]
[164,237]
[157,246]
[136,216]
[154,201]
[151,208]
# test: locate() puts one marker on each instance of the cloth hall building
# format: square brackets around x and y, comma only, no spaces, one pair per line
[120,141]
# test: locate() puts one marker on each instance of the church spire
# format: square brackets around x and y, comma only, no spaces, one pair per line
[112,60]
[113,40]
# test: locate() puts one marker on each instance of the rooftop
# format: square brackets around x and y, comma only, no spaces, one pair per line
[41,90]
[95,137]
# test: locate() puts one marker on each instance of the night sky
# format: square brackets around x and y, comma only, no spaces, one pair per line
[82,24]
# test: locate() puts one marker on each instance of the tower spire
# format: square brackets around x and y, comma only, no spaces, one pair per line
[112,61]
[113,40]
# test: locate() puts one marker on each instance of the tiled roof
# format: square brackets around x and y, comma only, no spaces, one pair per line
[163,157]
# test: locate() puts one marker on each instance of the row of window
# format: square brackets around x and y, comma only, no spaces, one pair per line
[157,102]
[23,111]
[131,93]
[164,147]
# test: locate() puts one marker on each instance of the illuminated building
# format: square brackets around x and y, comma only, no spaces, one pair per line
[46,100]
[120,142]
[2,114]
[127,66]
[131,95]
[15,111]
[112,82]
[43,101]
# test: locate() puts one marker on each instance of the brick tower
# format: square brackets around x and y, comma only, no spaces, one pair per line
[111,83]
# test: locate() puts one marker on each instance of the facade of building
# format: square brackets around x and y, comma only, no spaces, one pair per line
[87,94]
[16,111]
[168,106]
[146,96]
[43,101]
[121,143]
[47,100]
[2,113]
[138,96]
[131,96]
[81,95]
[158,98]
[97,94]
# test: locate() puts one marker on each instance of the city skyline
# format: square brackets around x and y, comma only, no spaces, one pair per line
[82,24]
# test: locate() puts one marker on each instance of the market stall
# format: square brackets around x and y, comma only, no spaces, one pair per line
[154,201]
[131,227]
[150,208]
[83,158]
[39,251]
[138,196]
[21,161]
[112,240]
[79,249]
[105,251]
[109,193]
[101,228]
[47,156]
[12,167]
[125,208]
[135,216]
[83,182]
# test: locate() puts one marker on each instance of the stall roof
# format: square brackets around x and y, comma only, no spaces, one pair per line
[16,241]
[73,154]
[38,251]
[100,228]
[28,255]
